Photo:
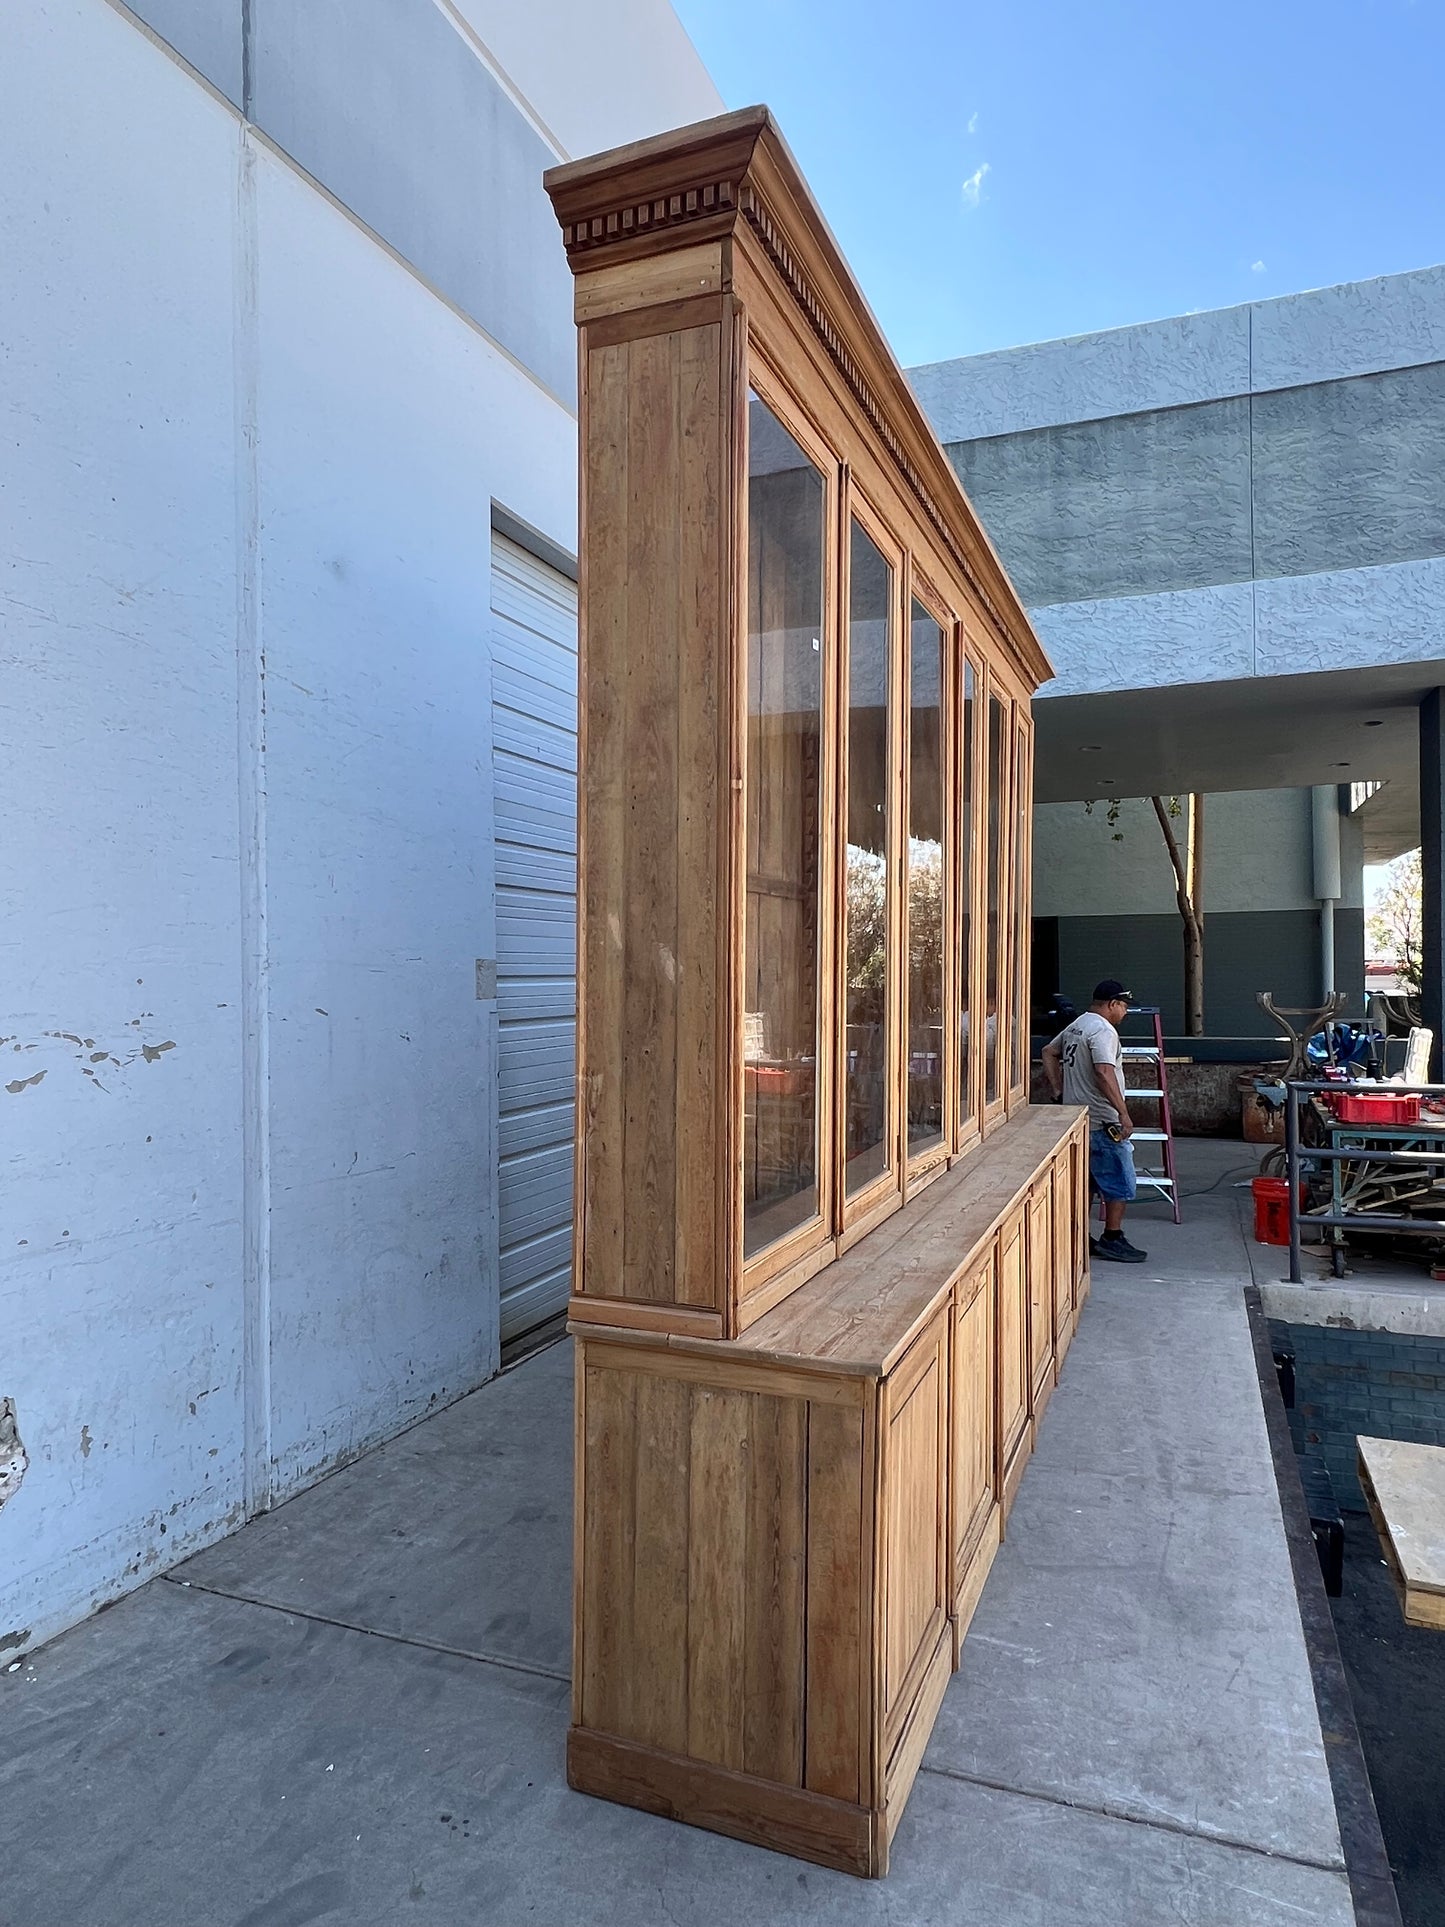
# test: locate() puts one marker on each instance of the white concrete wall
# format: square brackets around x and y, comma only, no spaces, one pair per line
[1258,856]
[248,1107]
[589,85]
[121,1309]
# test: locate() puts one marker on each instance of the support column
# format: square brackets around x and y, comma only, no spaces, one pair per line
[1432,869]
[1325,823]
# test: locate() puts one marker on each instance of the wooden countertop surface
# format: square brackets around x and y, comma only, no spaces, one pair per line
[859,1314]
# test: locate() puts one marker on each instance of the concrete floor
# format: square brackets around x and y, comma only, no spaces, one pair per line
[354,1710]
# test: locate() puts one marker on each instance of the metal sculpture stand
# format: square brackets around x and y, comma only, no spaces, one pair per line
[1299,1035]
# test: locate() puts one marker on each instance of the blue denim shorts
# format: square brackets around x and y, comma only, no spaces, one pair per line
[1111,1167]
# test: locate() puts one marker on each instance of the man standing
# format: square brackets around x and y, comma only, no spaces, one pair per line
[1084,1066]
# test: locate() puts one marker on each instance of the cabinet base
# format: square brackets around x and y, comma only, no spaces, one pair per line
[810,1826]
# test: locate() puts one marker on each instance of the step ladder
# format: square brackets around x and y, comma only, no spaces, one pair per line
[1160,1178]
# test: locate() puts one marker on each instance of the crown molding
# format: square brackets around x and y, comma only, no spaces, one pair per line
[704,182]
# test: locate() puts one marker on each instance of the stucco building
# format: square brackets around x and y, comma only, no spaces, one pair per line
[1229,529]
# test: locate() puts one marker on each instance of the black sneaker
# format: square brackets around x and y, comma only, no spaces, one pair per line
[1118,1248]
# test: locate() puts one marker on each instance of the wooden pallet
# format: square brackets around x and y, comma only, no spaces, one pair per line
[1404,1487]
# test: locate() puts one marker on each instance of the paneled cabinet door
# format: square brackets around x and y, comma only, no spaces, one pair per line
[1079,1178]
[1063,1245]
[915,1523]
[1013,1339]
[973,1488]
[1041,1282]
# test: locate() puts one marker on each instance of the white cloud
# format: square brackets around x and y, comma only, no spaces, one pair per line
[973,186]
[973,123]
[1256,267]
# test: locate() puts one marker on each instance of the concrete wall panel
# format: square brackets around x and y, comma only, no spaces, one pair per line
[1243,953]
[1351,618]
[1350,474]
[606,87]
[207,33]
[377,473]
[388,107]
[1394,321]
[120,1242]
[1258,856]
[1120,371]
[1149,641]
[1136,505]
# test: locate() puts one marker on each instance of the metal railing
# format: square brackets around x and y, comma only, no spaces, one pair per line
[1344,1154]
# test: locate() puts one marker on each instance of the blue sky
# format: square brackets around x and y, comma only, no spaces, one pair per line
[1034,168]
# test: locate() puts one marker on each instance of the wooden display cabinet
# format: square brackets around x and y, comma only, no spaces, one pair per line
[818,1292]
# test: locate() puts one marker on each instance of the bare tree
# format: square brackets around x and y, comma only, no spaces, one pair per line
[1188,867]
[1395,925]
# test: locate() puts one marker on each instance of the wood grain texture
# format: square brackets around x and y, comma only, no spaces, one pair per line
[807,1825]
[608,1498]
[834,1740]
[1404,1487]
[718,1576]
[661,1604]
[649,282]
[1013,1376]
[1039,1258]
[700,1078]
[914,1527]
[973,1489]
[773,1678]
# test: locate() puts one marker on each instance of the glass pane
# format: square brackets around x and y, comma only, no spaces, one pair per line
[870,605]
[784,797]
[1018,1015]
[992,933]
[964,862]
[925,883]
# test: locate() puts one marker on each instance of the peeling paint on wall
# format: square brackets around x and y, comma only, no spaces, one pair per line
[14,1459]
[87,1053]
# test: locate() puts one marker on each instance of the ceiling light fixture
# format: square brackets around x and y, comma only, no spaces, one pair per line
[1375,722]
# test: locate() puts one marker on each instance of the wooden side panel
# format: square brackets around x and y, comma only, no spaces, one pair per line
[724,1583]
[1079,1174]
[662,1535]
[608,1499]
[1041,1282]
[1012,1340]
[1063,1222]
[915,1442]
[838,1592]
[652,785]
[973,1488]
[774,1662]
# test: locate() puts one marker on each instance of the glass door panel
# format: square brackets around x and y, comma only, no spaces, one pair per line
[965,874]
[867,1141]
[1018,1003]
[993,932]
[782,923]
[926,883]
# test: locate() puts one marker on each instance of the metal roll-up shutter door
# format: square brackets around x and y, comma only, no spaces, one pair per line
[534,795]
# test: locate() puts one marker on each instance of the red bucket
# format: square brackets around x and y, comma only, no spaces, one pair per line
[1271,1210]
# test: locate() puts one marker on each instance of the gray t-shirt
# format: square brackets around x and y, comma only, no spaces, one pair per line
[1089,1040]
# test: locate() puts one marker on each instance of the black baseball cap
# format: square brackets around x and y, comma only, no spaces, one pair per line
[1111,991]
